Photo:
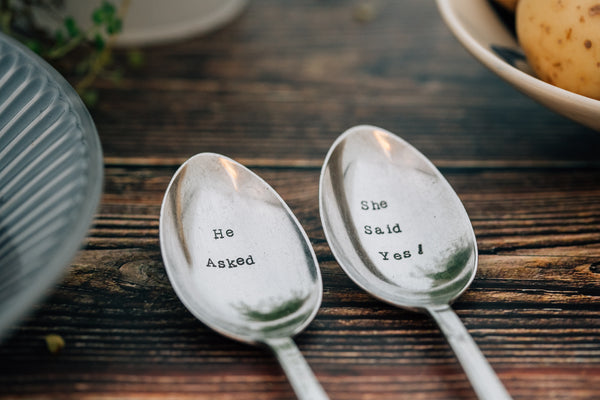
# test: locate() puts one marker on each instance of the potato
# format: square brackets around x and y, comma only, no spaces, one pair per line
[510,5]
[561,40]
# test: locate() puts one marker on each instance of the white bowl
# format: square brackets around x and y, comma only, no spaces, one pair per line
[484,34]
[50,178]
[149,22]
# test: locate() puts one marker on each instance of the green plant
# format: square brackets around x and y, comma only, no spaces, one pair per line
[82,55]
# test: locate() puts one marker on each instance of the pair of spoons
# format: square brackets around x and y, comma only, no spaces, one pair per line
[240,261]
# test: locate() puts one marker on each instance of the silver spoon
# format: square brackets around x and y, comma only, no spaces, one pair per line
[399,231]
[239,260]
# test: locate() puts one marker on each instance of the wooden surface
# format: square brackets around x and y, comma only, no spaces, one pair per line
[273,90]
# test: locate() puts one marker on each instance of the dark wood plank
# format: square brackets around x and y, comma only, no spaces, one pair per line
[533,307]
[280,83]
[273,90]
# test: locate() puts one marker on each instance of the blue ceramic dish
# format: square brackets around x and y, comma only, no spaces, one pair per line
[51,174]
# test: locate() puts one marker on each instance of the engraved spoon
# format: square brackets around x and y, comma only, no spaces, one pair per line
[239,260]
[401,233]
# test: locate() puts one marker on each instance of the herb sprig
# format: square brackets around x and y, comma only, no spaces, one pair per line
[83,55]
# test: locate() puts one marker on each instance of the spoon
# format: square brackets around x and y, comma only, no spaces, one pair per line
[239,260]
[399,231]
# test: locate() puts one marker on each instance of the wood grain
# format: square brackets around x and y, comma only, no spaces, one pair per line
[533,308]
[273,90]
[286,79]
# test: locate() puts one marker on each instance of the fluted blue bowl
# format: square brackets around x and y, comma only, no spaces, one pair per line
[51,174]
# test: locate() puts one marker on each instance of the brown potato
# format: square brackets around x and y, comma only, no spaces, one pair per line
[561,40]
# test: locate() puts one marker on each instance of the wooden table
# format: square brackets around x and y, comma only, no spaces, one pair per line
[273,90]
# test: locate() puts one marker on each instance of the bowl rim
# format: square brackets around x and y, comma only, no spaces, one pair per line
[21,304]
[521,80]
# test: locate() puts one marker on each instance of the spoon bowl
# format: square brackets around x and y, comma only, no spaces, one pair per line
[380,208]
[400,232]
[240,261]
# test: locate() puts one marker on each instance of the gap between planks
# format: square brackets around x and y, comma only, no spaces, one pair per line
[158,161]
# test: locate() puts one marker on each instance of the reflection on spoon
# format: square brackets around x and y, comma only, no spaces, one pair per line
[229,166]
[275,309]
[400,232]
[239,260]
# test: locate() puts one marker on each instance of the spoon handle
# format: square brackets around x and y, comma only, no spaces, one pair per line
[296,368]
[484,380]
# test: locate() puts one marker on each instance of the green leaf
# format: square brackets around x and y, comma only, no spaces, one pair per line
[135,59]
[108,8]
[35,46]
[114,26]
[99,42]
[98,17]
[90,97]
[59,37]
[71,26]
[105,13]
